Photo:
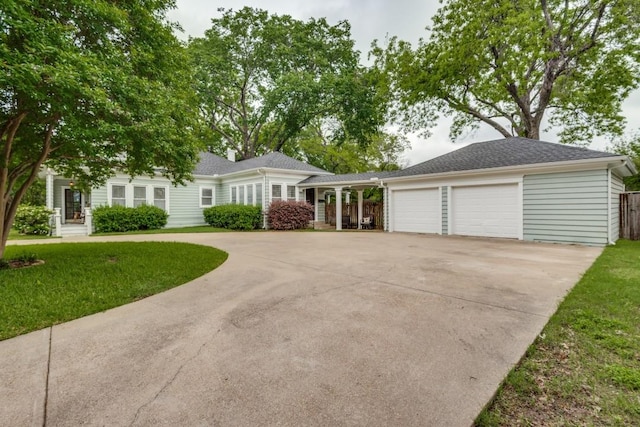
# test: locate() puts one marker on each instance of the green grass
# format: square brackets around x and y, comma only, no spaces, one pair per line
[14,235]
[78,279]
[584,368]
[195,229]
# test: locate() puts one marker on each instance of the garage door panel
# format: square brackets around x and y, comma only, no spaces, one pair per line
[417,211]
[486,211]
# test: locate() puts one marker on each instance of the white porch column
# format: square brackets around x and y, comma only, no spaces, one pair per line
[338,208]
[360,203]
[58,220]
[316,208]
[88,220]
[348,197]
[49,189]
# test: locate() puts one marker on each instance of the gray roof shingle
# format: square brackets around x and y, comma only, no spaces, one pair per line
[211,164]
[513,151]
[351,177]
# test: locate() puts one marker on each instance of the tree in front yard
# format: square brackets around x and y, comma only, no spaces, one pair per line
[512,64]
[88,87]
[262,79]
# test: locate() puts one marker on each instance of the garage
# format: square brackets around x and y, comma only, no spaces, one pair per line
[486,211]
[417,210]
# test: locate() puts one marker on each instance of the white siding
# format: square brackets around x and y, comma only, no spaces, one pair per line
[567,207]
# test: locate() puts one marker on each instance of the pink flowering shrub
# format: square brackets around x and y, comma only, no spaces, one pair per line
[289,215]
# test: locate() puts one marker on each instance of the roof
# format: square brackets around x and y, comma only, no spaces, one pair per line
[351,177]
[514,151]
[211,164]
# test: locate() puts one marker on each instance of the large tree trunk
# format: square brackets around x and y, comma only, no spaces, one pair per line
[9,203]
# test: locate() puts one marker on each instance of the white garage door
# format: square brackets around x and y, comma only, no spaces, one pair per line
[417,211]
[486,210]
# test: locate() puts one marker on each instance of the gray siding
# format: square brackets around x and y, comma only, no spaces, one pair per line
[184,205]
[617,187]
[445,211]
[99,197]
[567,207]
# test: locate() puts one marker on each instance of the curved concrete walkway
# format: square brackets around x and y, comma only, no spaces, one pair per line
[300,329]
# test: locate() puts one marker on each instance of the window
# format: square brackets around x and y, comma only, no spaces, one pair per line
[160,197]
[118,195]
[291,192]
[139,196]
[276,192]
[241,195]
[259,194]
[250,200]
[234,198]
[206,197]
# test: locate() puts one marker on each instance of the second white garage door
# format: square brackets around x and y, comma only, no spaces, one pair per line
[417,211]
[486,211]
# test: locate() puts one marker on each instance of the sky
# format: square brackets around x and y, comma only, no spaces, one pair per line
[370,20]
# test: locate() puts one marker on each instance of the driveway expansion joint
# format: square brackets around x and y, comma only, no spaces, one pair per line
[46,383]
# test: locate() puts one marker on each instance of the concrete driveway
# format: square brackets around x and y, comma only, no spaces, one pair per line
[300,329]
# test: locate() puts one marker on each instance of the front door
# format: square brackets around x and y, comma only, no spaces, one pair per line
[72,204]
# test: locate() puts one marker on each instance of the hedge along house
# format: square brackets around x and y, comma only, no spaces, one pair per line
[511,188]
[217,181]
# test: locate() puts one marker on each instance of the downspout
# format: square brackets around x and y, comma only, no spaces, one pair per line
[609,213]
[385,203]
[264,198]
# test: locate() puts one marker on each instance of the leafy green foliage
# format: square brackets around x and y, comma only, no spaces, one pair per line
[262,79]
[511,64]
[78,279]
[36,194]
[382,153]
[234,217]
[88,88]
[289,215]
[630,146]
[110,219]
[32,220]
[148,217]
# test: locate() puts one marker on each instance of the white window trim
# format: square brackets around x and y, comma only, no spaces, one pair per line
[213,196]
[110,193]
[151,199]
[283,191]
[133,194]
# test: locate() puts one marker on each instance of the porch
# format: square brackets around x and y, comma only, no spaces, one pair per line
[70,205]
[339,200]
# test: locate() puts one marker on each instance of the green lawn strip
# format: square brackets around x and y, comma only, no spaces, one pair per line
[584,368]
[194,229]
[14,235]
[78,279]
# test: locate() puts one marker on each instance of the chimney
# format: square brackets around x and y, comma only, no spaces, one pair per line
[231,155]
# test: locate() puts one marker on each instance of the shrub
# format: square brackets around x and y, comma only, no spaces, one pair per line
[289,215]
[148,217]
[116,219]
[32,220]
[234,217]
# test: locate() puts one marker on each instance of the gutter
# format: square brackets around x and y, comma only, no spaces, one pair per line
[517,168]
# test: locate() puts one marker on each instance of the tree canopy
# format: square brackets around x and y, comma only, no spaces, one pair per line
[262,79]
[88,88]
[515,64]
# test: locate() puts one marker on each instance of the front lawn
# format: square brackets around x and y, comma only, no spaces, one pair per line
[78,279]
[14,235]
[584,368]
[194,229]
